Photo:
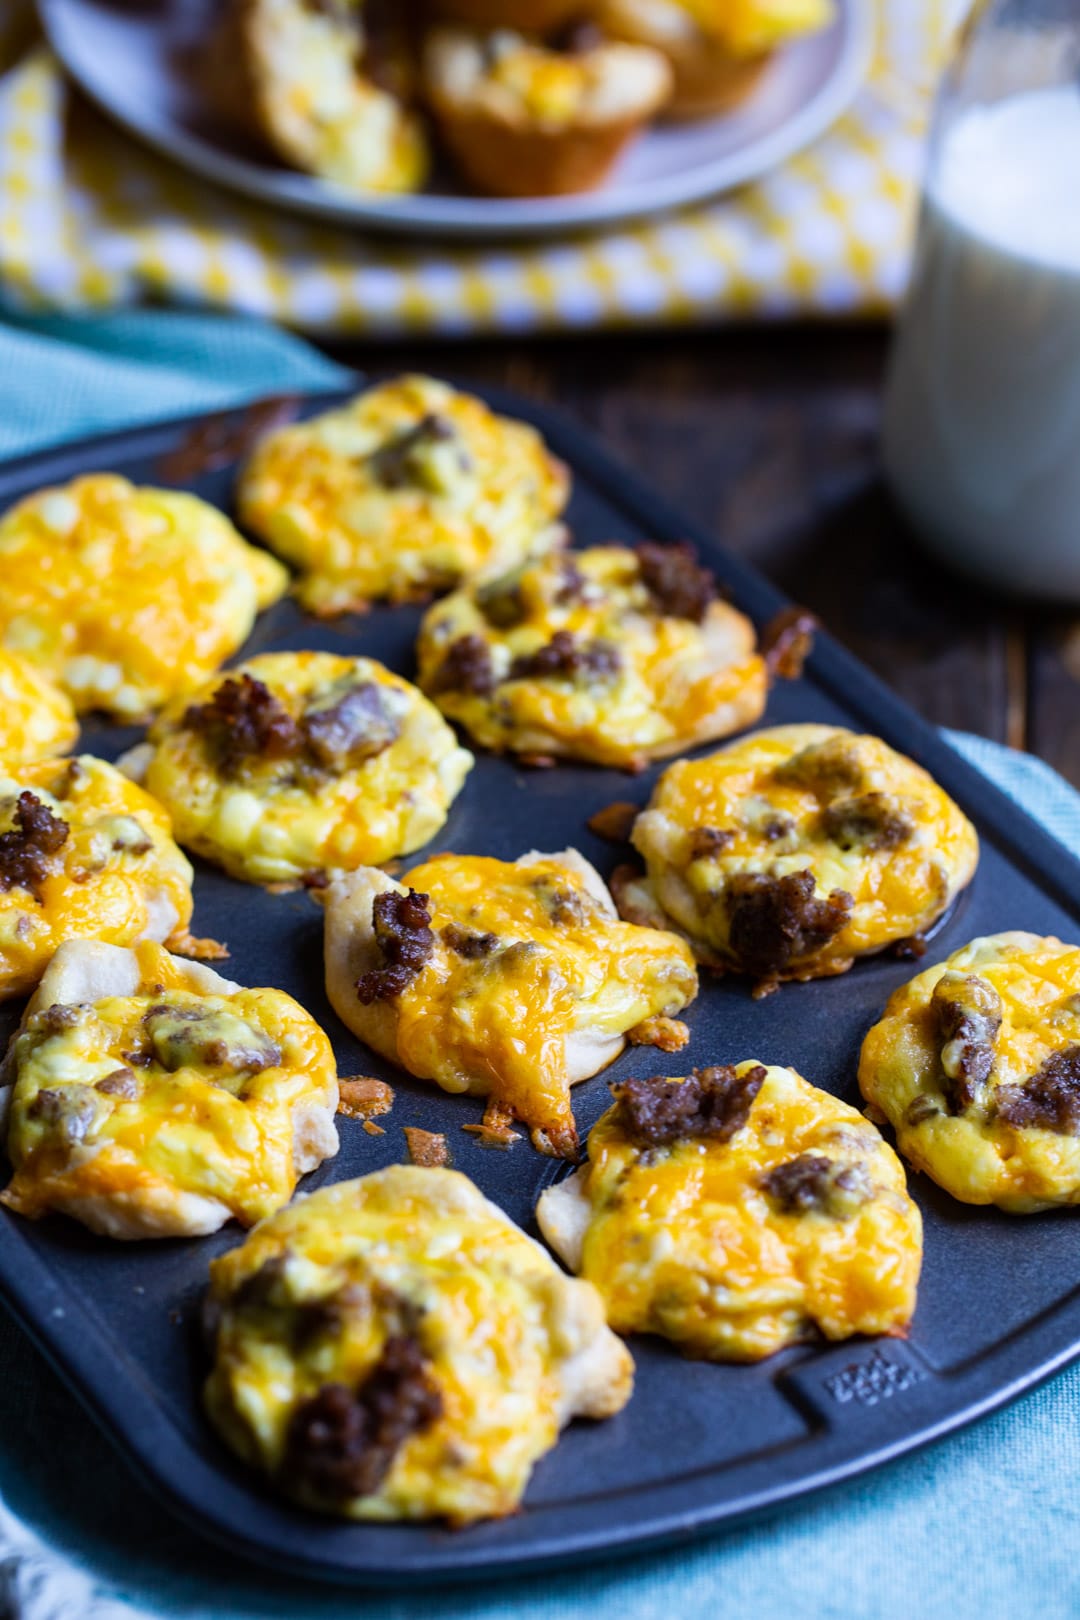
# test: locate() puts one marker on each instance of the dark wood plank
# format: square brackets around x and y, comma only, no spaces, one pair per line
[769,437]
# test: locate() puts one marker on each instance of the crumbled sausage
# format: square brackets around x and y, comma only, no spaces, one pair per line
[342,1442]
[244,720]
[399,463]
[615,822]
[501,602]
[572,582]
[466,667]
[870,821]
[566,656]
[827,768]
[56,1018]
[26,851]
[777,826]
[967,1014]
[358,725]
[119,1083]
[184,1036]
[776,921]
[713,1102]
[429,1149]
[787,642]
[402,924]
[921,1108]
[814,1182]
[679,587]
[706,843]
[576,38]
[467,943]
[566,907]
[1050,1100]
[70,1109]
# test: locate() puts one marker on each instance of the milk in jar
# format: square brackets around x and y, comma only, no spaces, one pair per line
[982,412]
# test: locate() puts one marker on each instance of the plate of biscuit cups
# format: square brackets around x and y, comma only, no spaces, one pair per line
[468,118]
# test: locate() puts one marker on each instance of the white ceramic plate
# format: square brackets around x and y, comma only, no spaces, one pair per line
[134,61]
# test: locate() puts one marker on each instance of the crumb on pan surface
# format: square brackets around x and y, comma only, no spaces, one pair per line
[976,1064]
[84,853]
[739,1211]
[508,979]
[127,596]
[295,763]
[152,1098]
[405,490]
[615,654]
[792,851]
[396,1348]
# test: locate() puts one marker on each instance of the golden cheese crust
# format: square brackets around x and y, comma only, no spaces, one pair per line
[292,74]
[407,489]
[127,596]
[795,850]
[37,719]
[976,1065]
[509,979]
[84,853]
[575,656]
[396,1348]
[152,1098]
[293,764]
[740,1219]
[523,117]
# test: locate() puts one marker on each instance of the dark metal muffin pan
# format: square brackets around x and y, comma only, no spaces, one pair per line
[699,1445]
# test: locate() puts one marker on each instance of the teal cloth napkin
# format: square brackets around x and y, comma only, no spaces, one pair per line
[984,1524]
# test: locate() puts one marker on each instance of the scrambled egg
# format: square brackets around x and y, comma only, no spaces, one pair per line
[741,1221]
[293,763]
[37,719]
[153,1098]
[406,490]
[294,72]
[395,1348]
[509,979]
[84,853]
[127,596]
[976,1065]
[793,851]
[572,655]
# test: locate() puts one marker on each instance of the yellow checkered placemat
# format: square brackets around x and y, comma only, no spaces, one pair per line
[90,219]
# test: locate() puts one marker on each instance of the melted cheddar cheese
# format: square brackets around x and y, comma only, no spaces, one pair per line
[648,683]
[863,820]
[37,719]
[753,27]
[547,1000]
[405,490]
[989,1146]
[510,1348]
[127,596]
[167,1109]
[117,876]
[376,781]
[686,1240]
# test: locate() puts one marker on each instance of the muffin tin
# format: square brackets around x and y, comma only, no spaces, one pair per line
[699,1445]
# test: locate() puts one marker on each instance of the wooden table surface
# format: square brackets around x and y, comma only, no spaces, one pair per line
[769,437]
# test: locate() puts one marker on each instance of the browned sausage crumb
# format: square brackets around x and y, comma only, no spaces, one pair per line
[244,720]
[27,850]
[467,943]
[679,587]
[708,842]
[713,1102]
[466,667]
[500,601]
[777,921]
[69,1109]
[615,822]
[568,657]
[787,642]
[870,821]
[120,1083]
[342,1443]
[357,727]
[394,464]
[666,1034]
[363,1097]
[427,1148]
[1050,1100]
[813,1182]
[967,1012]
[403,934]
[828,768]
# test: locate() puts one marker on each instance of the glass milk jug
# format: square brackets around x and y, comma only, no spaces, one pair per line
[982,409]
